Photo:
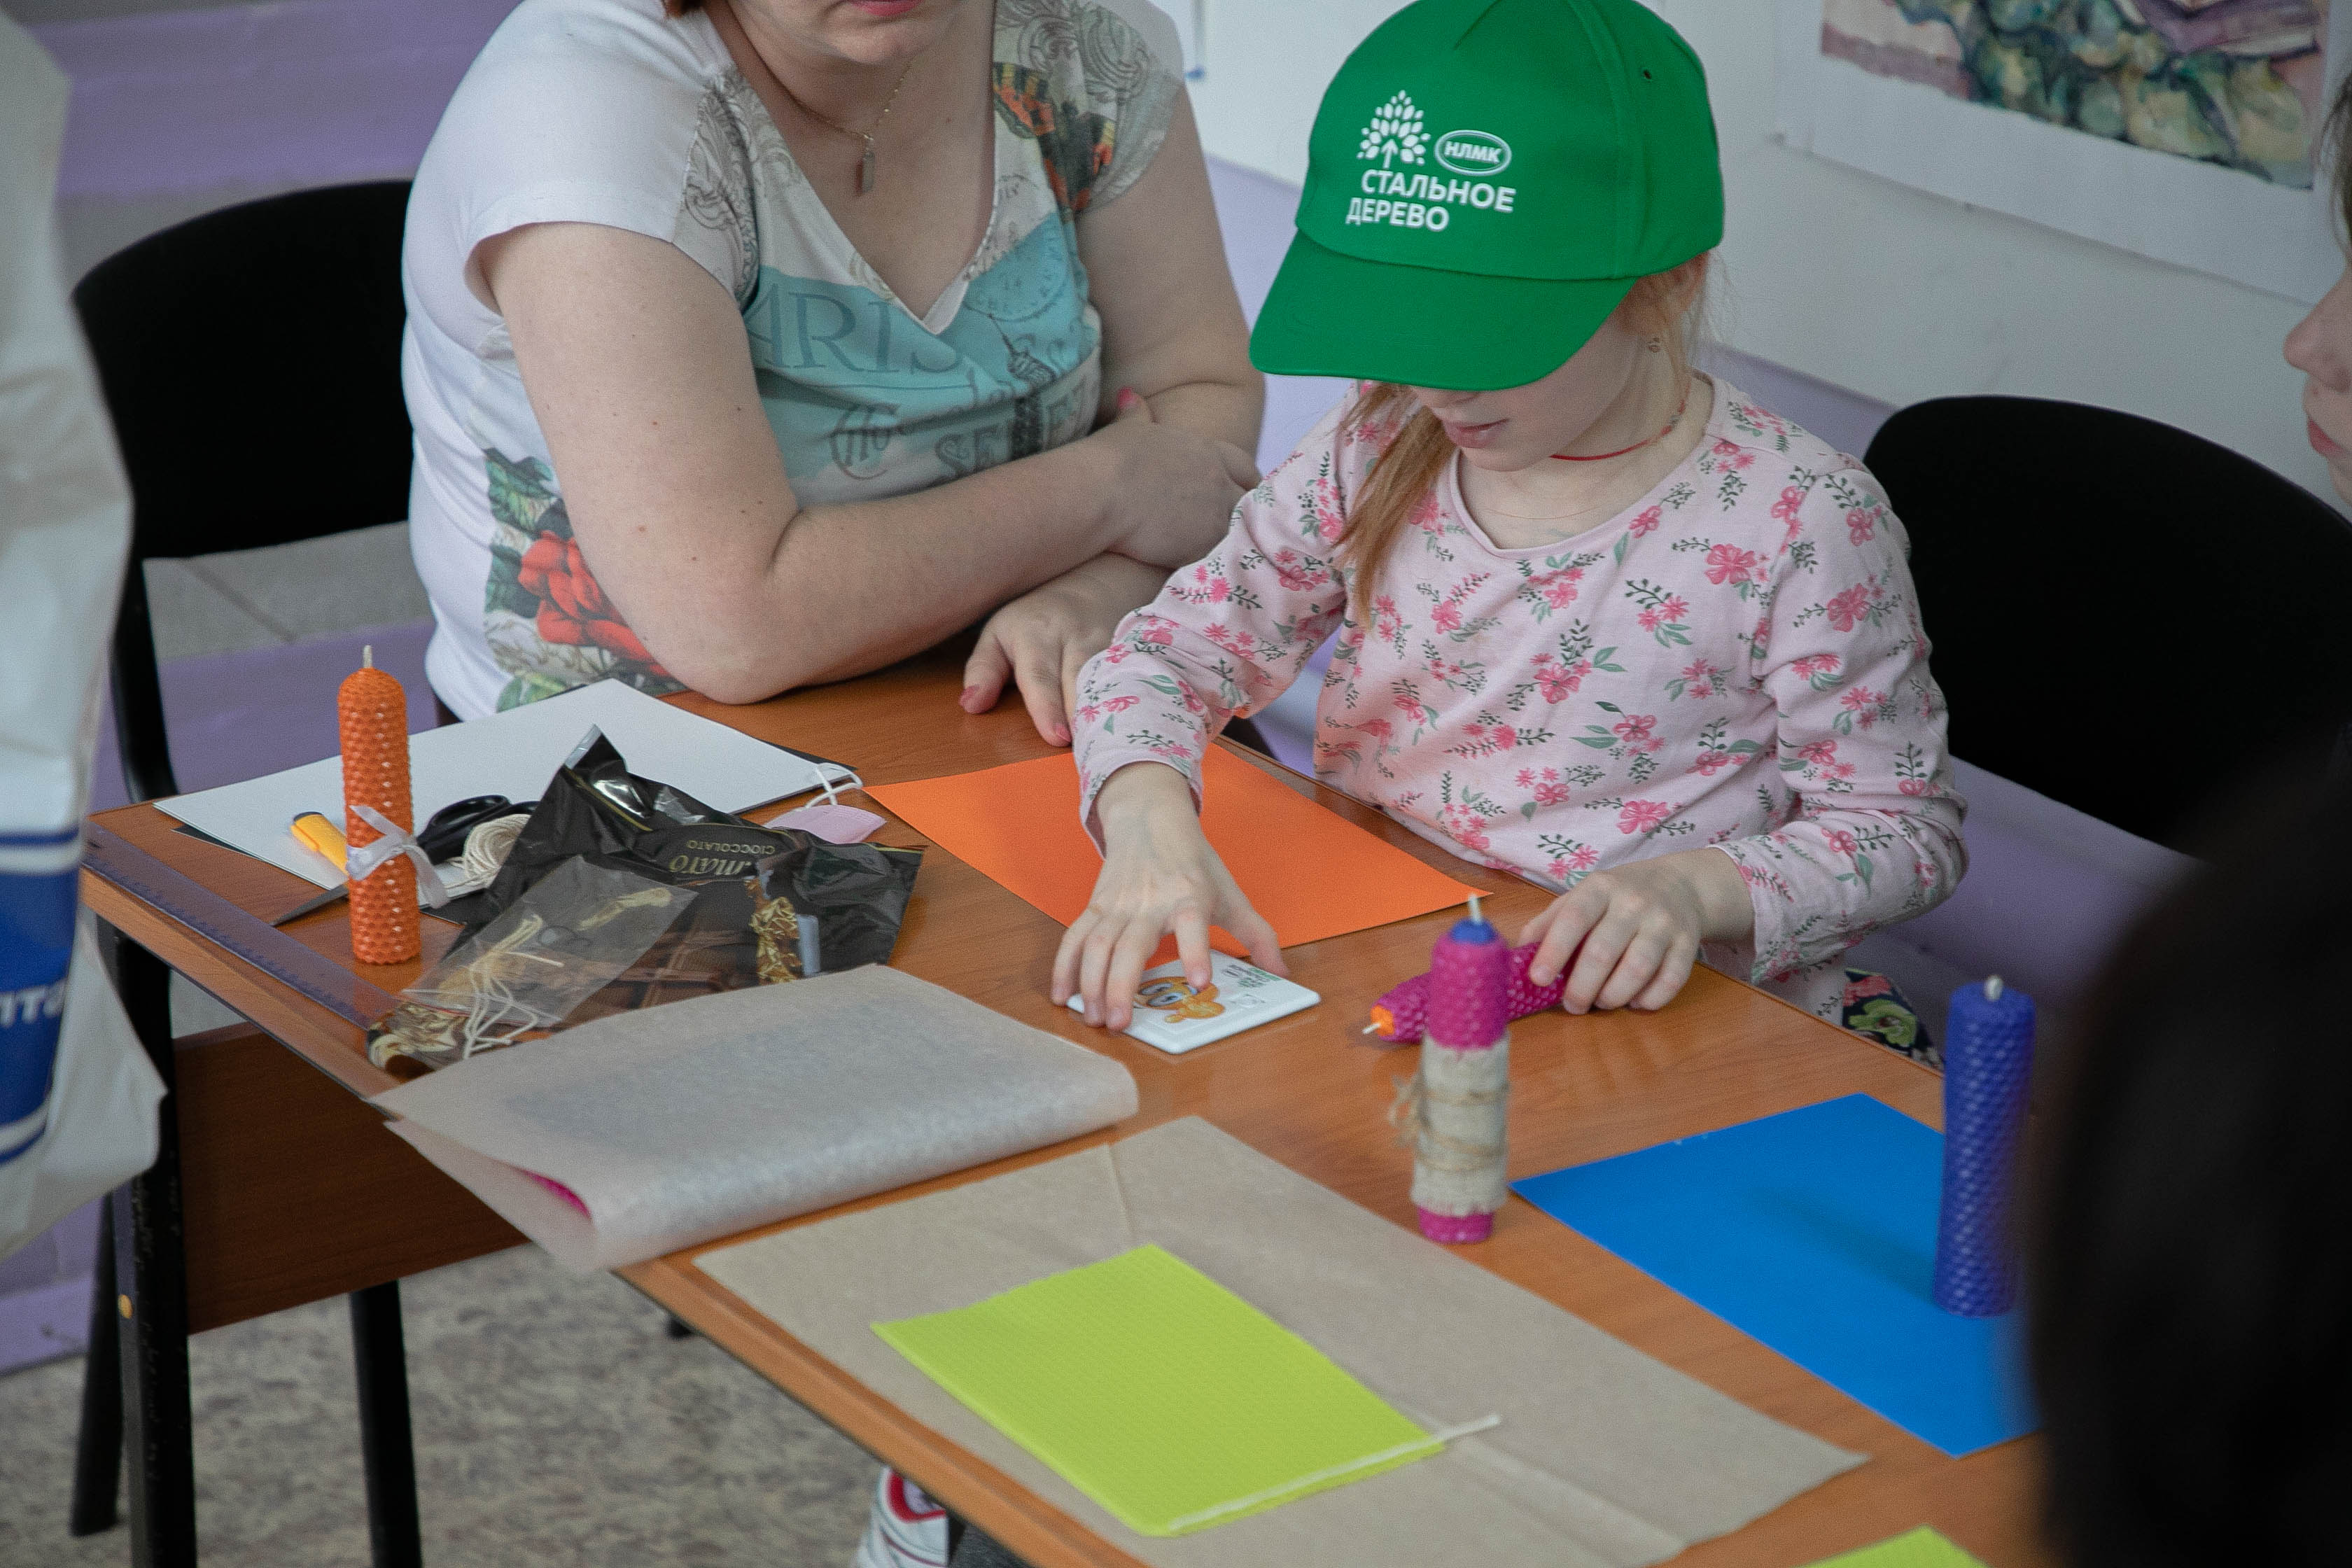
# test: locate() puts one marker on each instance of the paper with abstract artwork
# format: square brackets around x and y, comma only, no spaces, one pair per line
[2184,130]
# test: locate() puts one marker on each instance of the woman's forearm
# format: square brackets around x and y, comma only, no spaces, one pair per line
[850,588]
[921,567]
[855,588]
[634,361]
[1228,411]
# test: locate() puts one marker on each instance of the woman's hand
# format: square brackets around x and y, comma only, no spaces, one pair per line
[1159,874]
[1635,930]
[1171,493]
[1041,639]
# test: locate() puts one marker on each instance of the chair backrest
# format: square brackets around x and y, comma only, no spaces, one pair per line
[2125,617]
[250,359]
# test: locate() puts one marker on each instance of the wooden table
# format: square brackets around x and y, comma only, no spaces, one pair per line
[1308,1091]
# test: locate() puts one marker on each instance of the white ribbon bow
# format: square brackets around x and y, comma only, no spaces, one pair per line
[363,858]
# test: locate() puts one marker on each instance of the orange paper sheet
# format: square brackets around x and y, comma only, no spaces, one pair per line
[1311,873]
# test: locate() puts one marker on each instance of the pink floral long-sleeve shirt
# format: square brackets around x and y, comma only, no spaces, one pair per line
[1735,661]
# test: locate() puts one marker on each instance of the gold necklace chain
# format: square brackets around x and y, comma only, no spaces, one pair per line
[864,164]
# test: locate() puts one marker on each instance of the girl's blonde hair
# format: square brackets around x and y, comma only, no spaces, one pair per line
[1404,477]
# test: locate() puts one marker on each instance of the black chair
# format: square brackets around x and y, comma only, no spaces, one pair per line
[250,359]
[251,362]
[2116,603]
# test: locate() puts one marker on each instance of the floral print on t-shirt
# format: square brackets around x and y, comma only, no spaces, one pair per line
[547,620]
[1734,662]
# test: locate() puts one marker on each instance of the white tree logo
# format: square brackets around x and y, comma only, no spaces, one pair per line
[1395,132]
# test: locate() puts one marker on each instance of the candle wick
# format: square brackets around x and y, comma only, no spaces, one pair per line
[1992,989]
[367,657]
[1474,910]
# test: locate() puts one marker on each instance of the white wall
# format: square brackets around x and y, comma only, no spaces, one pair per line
[1890,292]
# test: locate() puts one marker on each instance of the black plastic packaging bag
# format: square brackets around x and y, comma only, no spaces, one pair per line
[766,899]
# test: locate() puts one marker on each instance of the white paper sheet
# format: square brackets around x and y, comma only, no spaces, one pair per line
[514,753]
[1168,1014]
[695,1120]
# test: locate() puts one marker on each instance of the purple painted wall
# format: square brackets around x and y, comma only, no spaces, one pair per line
[258,710]
[44,1293]
[302,92]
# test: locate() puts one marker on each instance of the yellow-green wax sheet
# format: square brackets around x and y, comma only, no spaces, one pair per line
[1159,1392]
[1921,1548]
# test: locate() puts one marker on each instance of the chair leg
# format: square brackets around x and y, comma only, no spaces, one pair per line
[151,1274]
[98,1448]
[386,1450]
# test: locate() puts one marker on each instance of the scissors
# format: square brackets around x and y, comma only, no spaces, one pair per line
[443,839]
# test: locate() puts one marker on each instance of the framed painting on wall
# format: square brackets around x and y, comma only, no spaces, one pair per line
[2187,130]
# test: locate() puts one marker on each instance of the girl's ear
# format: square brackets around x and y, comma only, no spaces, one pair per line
[1659,302]
[1645,310]
[1684,283]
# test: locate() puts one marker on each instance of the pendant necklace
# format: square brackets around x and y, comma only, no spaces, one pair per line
[865,163]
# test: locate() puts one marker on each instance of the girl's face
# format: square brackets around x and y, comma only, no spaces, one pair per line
[1604,384]
[864,32]
[2321,347]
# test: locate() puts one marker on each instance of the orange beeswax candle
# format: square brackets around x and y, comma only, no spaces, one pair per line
[373,711]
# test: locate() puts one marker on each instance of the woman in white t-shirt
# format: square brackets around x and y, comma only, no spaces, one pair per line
[760,342]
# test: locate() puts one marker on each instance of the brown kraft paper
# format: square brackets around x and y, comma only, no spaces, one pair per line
[1604,1459]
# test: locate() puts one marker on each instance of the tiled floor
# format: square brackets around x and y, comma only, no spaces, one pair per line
[256,598]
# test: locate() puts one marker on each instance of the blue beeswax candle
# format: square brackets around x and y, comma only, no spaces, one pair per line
[1988,1060]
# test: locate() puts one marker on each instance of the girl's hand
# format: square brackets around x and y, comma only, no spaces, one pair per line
[1635,930]
[1042,638]
[1159,874]
[1173,491]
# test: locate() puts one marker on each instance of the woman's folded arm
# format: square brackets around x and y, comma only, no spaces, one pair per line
[639,372]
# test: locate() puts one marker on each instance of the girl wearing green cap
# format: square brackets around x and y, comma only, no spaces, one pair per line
[1601,620]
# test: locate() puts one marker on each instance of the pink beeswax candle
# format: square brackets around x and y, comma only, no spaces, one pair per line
[1402,1014]
[1463,1085]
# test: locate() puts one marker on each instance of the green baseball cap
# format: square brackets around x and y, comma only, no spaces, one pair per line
[1486,180]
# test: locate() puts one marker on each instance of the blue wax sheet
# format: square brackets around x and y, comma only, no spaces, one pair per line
[1815,1231]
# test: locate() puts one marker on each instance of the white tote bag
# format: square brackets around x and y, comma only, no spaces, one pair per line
[77,1096]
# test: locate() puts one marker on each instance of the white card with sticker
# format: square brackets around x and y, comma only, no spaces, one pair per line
[1240,995]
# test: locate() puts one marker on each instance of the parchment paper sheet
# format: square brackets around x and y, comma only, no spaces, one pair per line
[702,1117]
[1605,1458]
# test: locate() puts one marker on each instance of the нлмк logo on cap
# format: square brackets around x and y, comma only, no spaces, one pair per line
[1474,152]
[1399,134]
